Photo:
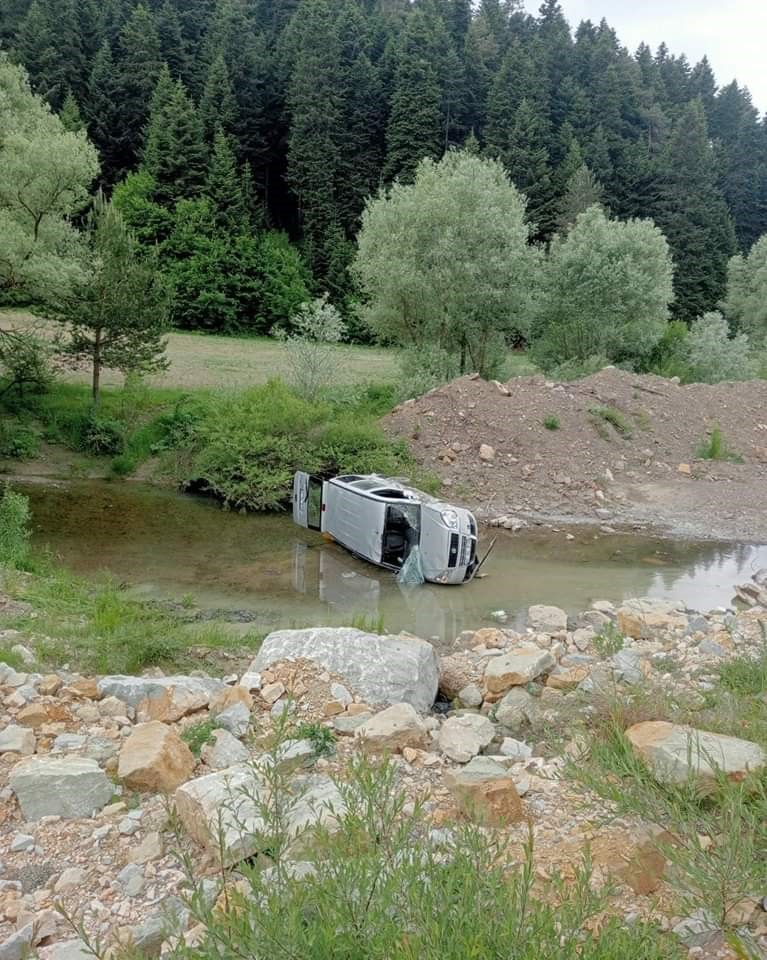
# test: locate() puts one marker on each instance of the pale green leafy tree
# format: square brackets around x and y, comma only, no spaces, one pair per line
[311,346]
[745,304]
[45,173]
[444,262]
[605,291]
[712,355]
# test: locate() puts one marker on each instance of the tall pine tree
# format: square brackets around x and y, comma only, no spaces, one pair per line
[692,213]
[174,153]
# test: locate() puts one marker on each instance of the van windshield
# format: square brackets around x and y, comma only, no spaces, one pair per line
[402,532]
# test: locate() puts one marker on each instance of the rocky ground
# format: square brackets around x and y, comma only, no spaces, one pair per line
[105,779]
[624,450]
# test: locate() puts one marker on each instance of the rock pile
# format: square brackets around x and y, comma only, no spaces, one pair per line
[88,765]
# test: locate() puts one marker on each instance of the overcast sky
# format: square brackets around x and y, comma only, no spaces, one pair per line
[731,32]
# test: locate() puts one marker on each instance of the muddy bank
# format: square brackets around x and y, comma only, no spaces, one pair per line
[614,448]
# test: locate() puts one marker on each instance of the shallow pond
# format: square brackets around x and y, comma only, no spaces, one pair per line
[166,545]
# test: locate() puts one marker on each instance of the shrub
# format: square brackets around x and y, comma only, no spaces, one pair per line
[101,436]
[712,356]
[608,641]
[24,363]
[426,367]
[246,448]
[311,346]
[18,441]
[576,369]
[14,528]
[551,422]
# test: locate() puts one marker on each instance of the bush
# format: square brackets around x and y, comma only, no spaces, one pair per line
[424,368]
[311,346]
[24,363]
[18,441]
[712,356]
[14,528]
[576,369]
[101,436]
[246,448]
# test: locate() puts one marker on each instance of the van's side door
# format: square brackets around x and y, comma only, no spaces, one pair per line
[307,501]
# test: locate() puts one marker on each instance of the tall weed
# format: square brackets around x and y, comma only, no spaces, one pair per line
[15,531]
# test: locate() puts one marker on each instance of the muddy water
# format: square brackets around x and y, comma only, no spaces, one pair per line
[165,545]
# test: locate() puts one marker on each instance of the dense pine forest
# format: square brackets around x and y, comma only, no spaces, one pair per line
[245,135]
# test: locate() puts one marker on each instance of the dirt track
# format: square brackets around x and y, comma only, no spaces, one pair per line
[624,453]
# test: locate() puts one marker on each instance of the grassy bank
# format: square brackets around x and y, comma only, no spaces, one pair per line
[240,446]
[96,628]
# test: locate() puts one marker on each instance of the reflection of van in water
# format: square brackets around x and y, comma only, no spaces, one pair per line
[381,521]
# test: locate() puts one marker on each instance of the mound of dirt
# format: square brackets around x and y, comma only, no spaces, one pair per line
[612,447]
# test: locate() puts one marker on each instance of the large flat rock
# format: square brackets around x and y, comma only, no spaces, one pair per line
[68,787]
[383,669]
[223,811]
[518,667]
[162,698]
[675,753]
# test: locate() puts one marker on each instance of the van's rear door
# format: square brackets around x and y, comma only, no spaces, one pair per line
[307,501]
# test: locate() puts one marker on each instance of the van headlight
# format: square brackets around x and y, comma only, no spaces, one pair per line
[450,519]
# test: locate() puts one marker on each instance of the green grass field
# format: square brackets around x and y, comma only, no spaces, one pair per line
[207,361]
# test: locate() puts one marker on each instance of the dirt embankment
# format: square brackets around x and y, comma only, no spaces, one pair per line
[619,448]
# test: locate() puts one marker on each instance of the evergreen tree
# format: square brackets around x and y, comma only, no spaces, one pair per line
[582,192]
[514,82]
[223,188]
[362,124]
[35,49]
[735,125]
[168,23]
[525,155]
[218,107]
[693,215]
[137,69]
[175,153]
[702,86]
[315,130]
[415,123]
[70,115]
[103,115]
[116,315]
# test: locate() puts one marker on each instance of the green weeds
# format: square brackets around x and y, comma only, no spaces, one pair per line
[380,884]
[551,422]
[613,417]
[322,738]
[714,447]
[198,734]
[608,641]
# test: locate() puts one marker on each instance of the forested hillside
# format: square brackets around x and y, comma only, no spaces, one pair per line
[248,117]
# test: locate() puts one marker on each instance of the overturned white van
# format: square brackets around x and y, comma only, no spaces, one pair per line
[381,520]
